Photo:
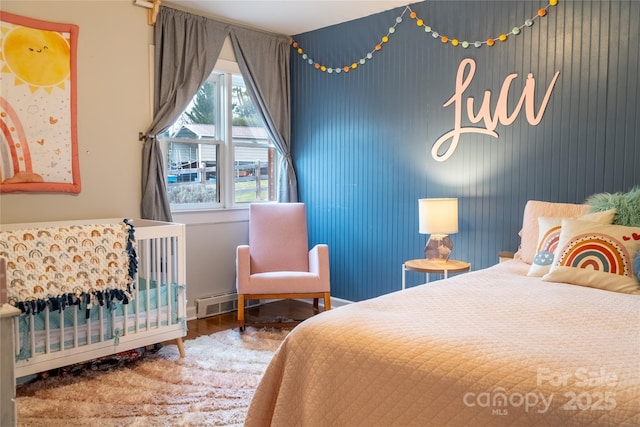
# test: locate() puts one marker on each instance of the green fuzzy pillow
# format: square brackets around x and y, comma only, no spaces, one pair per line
[627,206]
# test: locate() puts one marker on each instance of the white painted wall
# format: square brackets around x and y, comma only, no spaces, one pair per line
[114,102]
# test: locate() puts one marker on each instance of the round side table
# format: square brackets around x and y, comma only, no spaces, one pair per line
[423,265]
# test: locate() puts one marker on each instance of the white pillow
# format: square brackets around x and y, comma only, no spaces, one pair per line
[549,234]
[596,255]
[529,232]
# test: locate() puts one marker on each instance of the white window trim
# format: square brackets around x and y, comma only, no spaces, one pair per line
[212,216]
[226,197]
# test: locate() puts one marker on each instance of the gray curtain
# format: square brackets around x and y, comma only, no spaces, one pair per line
[186,49]
[264,63]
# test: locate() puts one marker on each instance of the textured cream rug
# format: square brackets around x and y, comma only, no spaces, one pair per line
[211,386]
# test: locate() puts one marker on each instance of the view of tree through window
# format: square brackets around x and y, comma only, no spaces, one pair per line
[195,164]
[203,109]
[244,112]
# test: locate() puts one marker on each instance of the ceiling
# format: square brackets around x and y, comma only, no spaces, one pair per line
[288,17]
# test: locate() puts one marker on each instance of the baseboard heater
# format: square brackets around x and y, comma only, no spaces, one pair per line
[219,304]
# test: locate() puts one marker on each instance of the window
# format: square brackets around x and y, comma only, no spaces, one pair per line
[218,152]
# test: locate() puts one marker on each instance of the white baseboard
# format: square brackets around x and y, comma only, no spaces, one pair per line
[191,312]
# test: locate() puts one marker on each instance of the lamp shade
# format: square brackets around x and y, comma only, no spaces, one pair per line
[438,216]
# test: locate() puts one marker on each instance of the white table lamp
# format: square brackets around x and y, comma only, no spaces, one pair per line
[438,218]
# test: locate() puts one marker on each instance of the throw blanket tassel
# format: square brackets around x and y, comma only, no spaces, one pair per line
[131,250]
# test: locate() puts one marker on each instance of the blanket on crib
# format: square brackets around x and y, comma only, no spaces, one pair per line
[61,266]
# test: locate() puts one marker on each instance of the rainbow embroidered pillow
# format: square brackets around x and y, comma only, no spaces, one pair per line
[596,255]
[549,234]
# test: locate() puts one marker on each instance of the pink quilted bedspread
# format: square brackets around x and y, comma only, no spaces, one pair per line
[486,348]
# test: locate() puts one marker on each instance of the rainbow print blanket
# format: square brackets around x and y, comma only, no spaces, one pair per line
[62,266]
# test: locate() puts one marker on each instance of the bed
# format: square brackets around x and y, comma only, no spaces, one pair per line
[499,346]
[132,297]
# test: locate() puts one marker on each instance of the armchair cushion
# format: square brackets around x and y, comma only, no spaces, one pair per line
[278,237]
[282,282]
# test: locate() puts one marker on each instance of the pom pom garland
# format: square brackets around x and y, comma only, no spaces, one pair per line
[427,29]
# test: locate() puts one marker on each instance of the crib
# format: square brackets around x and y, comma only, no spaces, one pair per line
[152,310]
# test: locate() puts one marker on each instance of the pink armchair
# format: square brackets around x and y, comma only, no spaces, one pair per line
[277,263]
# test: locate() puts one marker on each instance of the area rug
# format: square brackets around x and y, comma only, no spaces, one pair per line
[211,386]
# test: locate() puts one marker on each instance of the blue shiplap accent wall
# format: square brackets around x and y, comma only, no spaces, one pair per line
[362,140]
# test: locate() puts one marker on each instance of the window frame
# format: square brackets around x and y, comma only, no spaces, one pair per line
[225,147]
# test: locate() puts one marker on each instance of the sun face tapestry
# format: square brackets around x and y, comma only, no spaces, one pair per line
[38,146]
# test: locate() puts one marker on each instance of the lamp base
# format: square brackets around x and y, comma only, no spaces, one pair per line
[438,248]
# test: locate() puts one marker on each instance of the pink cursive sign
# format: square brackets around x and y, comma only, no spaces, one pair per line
[466,71]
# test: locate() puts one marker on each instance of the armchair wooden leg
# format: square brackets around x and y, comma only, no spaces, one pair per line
[327,301]
[315,306]
[241,312]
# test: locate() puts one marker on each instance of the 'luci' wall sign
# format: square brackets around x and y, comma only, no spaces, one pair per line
[466,71]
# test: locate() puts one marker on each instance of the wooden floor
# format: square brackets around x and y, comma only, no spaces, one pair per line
[291,309]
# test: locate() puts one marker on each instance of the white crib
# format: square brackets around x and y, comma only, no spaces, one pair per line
[157,312]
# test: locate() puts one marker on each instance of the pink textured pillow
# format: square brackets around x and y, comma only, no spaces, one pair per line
[532,211]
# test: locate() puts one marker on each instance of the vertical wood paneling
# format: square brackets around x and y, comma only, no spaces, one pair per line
[362,140]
